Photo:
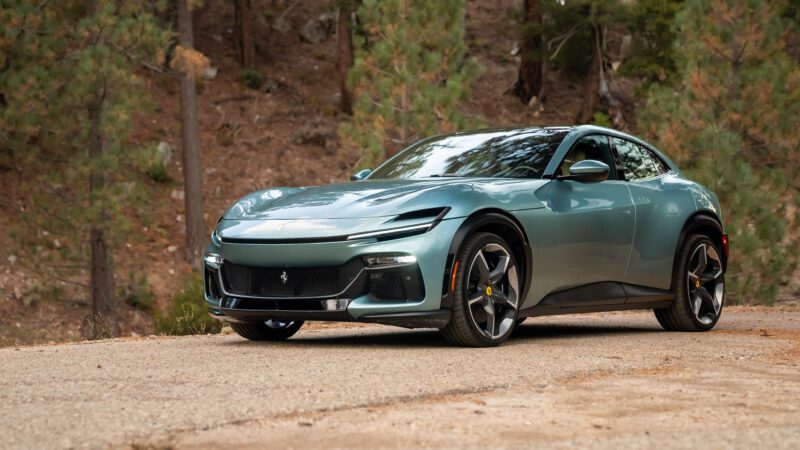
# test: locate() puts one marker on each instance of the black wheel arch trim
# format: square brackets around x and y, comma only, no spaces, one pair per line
[696,221]
[479,219]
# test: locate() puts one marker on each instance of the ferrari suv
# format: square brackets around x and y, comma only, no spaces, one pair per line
[472,232]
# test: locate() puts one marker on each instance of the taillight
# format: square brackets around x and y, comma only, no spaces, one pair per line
[725,245]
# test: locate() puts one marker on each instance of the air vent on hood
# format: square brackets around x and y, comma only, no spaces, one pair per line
[432,213]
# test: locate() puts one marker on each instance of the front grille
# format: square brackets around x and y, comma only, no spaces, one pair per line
[260,304]
[299,281]
[388,287]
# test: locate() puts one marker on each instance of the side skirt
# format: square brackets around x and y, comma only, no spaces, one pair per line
[600,297]
[552,311]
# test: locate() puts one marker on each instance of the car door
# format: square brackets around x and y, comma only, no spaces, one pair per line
[662,203]
[595,220]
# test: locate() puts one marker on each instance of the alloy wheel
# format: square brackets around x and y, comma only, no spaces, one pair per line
[704,283]
[493,291]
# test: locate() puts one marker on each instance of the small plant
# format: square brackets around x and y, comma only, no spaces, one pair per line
[601,119]
[252,78]
[137,293]
[186,313]
[159,173]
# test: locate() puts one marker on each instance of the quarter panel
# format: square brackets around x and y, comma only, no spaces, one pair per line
[663,205]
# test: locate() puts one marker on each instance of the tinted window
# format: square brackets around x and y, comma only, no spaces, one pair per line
[661,166]
[507,154]
[590,147]
[638,162]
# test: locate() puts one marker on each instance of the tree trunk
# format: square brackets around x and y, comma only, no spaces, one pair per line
[192,170]
[590,91]
[243,30]
[103,322]
[344,51]
[530,81]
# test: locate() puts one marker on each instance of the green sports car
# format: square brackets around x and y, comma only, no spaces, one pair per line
[471,233]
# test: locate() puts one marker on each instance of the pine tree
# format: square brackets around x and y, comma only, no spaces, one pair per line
[530,80]
[68,75]
[732,124]
[188,62]
[652,56]
[244,31]
[579,44]
[344,52]
[410,76]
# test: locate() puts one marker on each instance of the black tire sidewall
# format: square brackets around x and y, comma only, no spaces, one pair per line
[260,331]
[465,257]
[681,280]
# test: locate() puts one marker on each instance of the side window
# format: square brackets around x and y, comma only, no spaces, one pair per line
[637,161]
[661,166]
[590,147]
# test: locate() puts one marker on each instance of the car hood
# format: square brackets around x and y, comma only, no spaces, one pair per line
[364,199]
[341,209]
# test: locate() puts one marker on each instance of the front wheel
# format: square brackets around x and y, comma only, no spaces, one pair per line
[699,283]
[270,330]
[486,294]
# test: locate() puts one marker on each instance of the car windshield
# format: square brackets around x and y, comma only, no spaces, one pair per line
[522,153]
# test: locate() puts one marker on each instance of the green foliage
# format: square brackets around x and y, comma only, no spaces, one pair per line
[159,173]
[187,312]
[568,29]
[138,293]
[731,121]
[56,60]
[653,54]
[252,78]
[411,75]
[601,119]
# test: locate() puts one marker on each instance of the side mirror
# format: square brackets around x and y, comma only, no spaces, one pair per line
[360,175]
[588,170]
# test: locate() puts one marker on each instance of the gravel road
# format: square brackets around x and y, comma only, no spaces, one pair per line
[606,380]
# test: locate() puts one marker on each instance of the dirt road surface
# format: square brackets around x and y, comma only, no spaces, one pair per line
[604,380]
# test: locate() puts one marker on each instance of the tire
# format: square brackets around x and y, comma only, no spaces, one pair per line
[487,288]
[699,293]
[267,331]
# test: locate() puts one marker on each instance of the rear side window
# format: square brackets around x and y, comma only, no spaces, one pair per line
[638,162]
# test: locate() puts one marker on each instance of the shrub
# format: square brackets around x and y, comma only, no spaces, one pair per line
[252,78]
[187,313]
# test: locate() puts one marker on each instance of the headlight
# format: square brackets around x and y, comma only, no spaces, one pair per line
[397,232]
[213,260]
[387,260]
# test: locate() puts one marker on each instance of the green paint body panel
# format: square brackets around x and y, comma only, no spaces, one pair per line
[579,232]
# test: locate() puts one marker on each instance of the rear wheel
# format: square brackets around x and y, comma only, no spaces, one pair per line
[699,282]
[486,294]
[270,330]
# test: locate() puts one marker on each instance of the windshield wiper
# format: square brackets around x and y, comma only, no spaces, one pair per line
[451,175]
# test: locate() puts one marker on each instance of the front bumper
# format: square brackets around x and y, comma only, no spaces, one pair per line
[420,308]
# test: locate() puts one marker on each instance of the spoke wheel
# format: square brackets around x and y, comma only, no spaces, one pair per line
[699,286]
[492,291]
[704,284]
[487,293]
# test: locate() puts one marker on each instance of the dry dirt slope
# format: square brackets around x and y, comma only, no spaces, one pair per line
[283,134]
[609,380]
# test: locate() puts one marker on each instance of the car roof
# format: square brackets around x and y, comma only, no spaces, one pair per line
[570,130]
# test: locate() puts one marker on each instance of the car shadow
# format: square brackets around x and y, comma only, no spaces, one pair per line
[405,338]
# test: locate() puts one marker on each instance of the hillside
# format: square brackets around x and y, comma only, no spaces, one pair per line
[283,133]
